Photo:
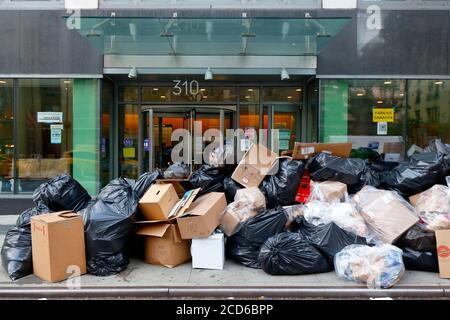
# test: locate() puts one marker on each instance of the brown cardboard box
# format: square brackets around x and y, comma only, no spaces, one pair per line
[443,250]
[304,151]
[328,191]
[177,184]
[163,244]
[158,201]
[385,213]
[203,216]
[57,243]
[254,166]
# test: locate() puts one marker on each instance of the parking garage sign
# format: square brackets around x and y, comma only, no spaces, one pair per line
[383,115]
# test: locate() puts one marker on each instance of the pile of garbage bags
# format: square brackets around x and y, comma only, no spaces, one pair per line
[60,193]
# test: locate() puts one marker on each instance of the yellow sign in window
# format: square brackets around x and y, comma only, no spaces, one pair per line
[383,115]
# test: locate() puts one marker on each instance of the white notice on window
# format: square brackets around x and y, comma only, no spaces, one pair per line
[382,128]
[49,117]
[55,136]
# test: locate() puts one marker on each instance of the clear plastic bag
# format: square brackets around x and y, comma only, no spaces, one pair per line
[386,213]
[221,156]
[344,214]
[380,267]
[248,203]
[328,191]
[293,212]
[433,206]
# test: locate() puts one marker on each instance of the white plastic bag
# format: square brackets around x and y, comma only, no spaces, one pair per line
[328,191]
[380,267]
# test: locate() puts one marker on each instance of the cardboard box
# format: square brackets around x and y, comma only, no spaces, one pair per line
[328,191]
[303,151]
[176,183]
[257,162]
[203,216]
[385,213]
[163,244]
[443,250]
[208,253]
[57,245]
[158,201]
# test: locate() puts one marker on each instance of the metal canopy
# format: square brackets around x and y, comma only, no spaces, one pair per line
[210,36]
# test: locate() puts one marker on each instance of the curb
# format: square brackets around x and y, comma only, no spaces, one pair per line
[219,292]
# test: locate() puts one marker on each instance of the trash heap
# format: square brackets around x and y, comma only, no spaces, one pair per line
[314,212]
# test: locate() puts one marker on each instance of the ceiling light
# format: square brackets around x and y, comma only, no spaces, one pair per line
[284,74]
[360,94]
[202,89]
[163,97]
[250,89]
[402,94]
[438,83]
[247,97]
[155,89]
[388,82]
[205,97]
[67,81]
[298,90]
[133,73]
[379,101]
[289,97]
[209,74]
[2,82]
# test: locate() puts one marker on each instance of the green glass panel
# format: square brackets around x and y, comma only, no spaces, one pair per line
[85,133]
[210,36]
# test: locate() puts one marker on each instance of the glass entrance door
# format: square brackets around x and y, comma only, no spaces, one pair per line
[286,119]
[172,125]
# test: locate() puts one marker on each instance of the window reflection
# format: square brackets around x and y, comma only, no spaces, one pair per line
[6,136]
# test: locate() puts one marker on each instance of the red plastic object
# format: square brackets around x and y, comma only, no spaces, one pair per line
[304,189]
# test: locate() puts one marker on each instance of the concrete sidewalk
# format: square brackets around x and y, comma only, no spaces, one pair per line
[141,280]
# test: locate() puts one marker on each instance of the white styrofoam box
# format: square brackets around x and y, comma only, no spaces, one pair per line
[208,253]
[339,4]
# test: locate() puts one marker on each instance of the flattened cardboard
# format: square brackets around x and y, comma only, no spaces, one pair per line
[257,162]
[163,244]
[158,201]
[208,253]
[303,151]
[443,250]
[203,216]
[57,244]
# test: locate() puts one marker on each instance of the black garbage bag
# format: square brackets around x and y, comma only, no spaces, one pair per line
[16,250]
[420,261]
[208,178]
[245,244]
[353,172]
[417,239]
[420,173]
[62,193]
[281,188]
[328,238]
[108,225]
[177,171]
[144,182]
[288,253]
[230,187]
[437,146]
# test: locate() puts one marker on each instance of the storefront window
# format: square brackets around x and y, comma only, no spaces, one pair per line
[44,131]
[249,117]
[6,136]
[428,111]
[128,94]
[283,94]
[128,141]
[188,92]
[248,95]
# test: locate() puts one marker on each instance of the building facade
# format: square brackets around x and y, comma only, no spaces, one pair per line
[98,92]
